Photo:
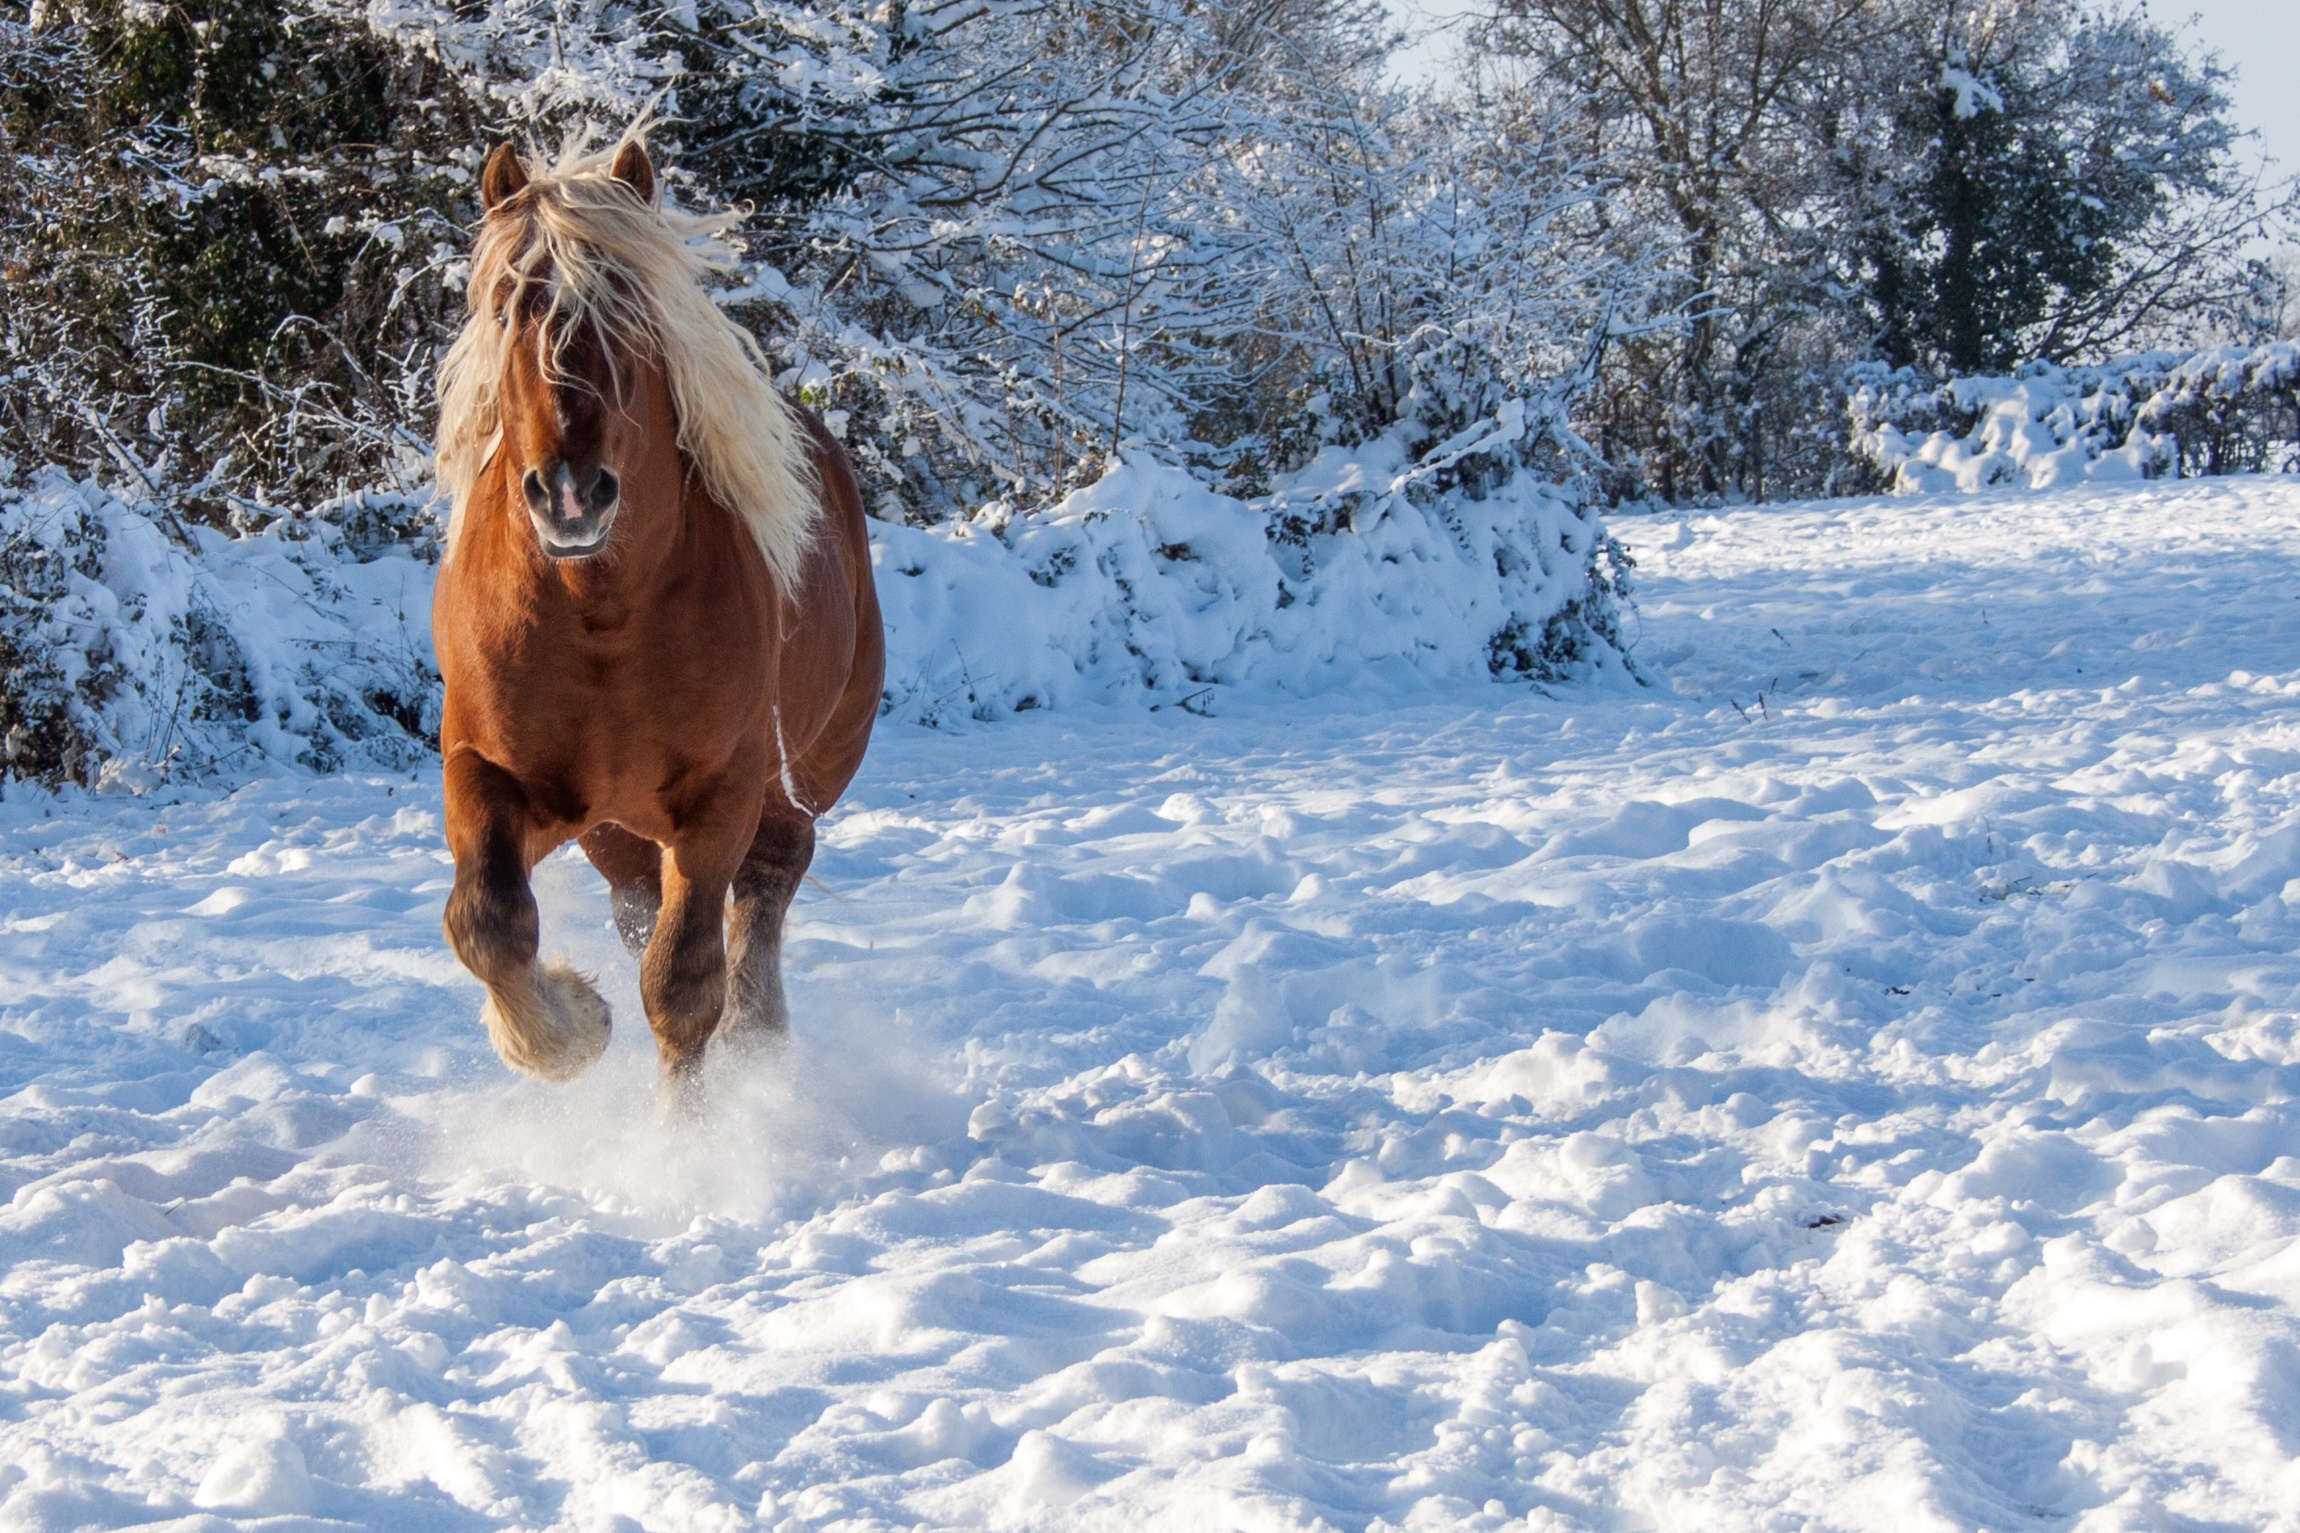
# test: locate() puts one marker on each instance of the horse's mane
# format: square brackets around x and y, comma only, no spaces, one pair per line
[603,258]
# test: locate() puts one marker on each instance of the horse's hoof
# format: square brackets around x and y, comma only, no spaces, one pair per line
[562,1032]
[680,1096]
[744,1040]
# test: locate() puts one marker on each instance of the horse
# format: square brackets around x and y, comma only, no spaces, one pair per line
[655,618]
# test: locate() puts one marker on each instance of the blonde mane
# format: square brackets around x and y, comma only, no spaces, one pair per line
[603,258]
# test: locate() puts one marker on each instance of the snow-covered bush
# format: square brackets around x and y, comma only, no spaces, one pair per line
[226,227]
[134,645]
[2224,410]
[1149,586]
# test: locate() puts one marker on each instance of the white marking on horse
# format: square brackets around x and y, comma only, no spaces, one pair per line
[783,760]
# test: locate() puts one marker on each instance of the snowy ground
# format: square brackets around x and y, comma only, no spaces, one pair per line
[1851,1084]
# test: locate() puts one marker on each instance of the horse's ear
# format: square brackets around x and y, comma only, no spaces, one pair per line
[503,177]
[635,170]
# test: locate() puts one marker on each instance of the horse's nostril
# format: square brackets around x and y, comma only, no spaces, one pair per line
[531,485]
[605,492]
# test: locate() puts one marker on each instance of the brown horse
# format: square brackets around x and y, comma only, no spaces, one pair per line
[655,619]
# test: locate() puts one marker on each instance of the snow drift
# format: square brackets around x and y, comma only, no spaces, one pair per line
[2223,410]
[1148,586]
[140,647]
[135,645]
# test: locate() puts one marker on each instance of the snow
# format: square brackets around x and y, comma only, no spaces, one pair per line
[164,646]
[1847,1085]
[2048,426]
[2043,431]
[1148,587]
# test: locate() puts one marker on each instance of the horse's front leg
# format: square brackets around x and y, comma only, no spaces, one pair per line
[544,1021]
[683,973]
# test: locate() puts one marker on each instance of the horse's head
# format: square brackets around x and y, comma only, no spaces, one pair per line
[575,368]
[597,386]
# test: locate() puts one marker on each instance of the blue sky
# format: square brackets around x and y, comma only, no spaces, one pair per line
[2260,40]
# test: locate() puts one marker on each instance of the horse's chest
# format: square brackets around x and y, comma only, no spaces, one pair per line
[616,708]
[611,709]
[664,696]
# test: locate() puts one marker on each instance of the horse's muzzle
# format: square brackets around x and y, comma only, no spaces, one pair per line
[573,509]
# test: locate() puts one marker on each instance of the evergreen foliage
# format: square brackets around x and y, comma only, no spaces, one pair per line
[228,225]
[2055,168]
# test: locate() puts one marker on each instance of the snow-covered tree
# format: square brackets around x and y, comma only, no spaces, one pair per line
[2066,185]
[224,224]
[1929,181]
[999,242]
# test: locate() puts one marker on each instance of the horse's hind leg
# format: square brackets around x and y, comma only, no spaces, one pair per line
[683,973]
[764,885]
[633,868]
[546,1022]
